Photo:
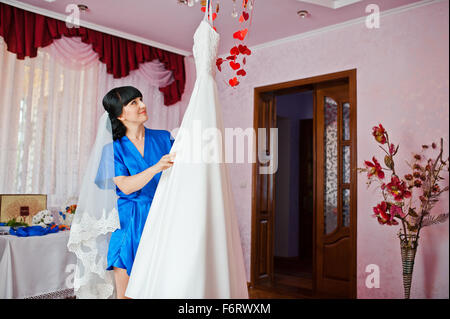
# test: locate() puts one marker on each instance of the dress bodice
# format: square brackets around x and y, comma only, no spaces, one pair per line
[206,43]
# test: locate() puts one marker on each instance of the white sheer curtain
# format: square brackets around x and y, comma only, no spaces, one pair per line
[49,108]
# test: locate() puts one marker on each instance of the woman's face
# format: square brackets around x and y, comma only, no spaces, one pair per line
[134,112]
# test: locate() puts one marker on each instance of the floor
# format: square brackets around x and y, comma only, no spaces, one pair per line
[292,280]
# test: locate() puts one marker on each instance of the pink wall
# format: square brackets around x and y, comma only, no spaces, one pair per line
[402,81]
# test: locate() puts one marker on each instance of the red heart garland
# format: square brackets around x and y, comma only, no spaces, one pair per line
[234,65]
[219,62]
[234,81]
[244,17]
[234,51]
[240,34]
[244,49]
[241,72]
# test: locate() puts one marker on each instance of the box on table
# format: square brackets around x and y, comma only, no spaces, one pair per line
[24,206]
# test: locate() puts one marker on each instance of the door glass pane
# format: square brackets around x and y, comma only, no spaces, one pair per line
[346,164]
[346,121]
[331,168]
[346,207]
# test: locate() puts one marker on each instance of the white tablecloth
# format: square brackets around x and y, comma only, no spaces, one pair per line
[35,266]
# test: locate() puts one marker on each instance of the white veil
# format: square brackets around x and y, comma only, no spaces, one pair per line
[96,217]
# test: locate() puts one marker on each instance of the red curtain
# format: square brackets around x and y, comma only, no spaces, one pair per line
[24,32]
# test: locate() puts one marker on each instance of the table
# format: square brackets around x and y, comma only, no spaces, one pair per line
[36,267]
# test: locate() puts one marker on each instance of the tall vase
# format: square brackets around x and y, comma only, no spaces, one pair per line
[408,246]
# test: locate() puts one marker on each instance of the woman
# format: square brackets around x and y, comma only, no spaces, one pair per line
[140,155]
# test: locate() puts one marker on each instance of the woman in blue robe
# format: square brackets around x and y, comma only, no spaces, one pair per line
[140,155]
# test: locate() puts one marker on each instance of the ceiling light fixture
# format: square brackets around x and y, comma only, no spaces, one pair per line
[303,14]
[83,7]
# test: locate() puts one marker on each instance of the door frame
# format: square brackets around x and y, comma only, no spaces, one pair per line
[294,87]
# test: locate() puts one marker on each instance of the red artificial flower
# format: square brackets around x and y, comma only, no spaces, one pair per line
[408,177]
[398,189]
[397,211]
[374,168]
[234,81]
[241,72]
[417,183]
[436,188]
[391,149]
[244,50]
[219,62]
[379,133]
[240,34]
[235,66]
[382,214]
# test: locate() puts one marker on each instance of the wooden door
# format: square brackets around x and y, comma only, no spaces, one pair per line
[264,201]
[306,188]
[334,222]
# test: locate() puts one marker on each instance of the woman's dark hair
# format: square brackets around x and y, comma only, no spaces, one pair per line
[113,102]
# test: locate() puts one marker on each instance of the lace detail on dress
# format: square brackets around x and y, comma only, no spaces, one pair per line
[62,294]
[206,44]
[89,241]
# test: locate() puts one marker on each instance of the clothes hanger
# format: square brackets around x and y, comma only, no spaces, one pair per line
[208,17]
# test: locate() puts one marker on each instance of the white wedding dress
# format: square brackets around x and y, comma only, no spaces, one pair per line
[190,246]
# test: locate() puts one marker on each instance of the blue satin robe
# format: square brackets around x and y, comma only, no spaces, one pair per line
[133,208]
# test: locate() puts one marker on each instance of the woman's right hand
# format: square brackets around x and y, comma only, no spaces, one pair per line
[165,162]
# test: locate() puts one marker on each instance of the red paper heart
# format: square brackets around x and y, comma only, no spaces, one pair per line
[244,50]
[231,57]
[234,81]
[240,34]
[214,16]
[241,72]
[245,15]
[203,9]
[234,51]
[237,35]
[244,60]
[234,65]
[219,62]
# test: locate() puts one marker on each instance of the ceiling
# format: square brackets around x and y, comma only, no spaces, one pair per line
[170,25]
